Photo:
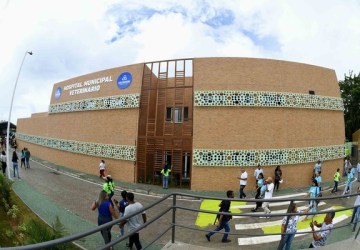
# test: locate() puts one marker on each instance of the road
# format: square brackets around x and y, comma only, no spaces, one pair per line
[76,191]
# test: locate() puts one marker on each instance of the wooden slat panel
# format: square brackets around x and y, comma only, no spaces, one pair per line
[156,136]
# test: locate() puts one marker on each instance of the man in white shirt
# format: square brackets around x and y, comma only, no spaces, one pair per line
[243,181]
[319,238]
[135,221]
[258,171]
[358,170]
[268,194]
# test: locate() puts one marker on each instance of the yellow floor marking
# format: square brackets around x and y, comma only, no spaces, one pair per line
[207,219]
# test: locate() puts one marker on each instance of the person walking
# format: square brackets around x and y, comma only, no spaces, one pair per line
[336,181]
[23,158]
[257,172]
[317,167]
[224,220]
[358,171]
[348,184]
[289,231]
[259,193]
[268,194]
[165,172]
[243,182]
[356,212]
[278,177]
[134,221]
[347,164]
[109,187]
[312,193]
[318,179]
[15,160]
[27,158]
[319,239]
[102,169]
[3,160]
[106,213]
[121,206]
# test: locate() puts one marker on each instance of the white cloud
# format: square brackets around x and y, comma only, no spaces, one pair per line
[72,38]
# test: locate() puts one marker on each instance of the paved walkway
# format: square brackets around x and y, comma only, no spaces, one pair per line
[69,199]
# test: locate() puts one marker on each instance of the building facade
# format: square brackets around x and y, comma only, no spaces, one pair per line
[206,116]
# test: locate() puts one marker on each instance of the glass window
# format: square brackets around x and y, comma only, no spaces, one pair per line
[177,115]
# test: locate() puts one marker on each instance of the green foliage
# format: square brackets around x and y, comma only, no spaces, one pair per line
[59,229]
[5,188]
[350,93]
[39,232]
[13,212]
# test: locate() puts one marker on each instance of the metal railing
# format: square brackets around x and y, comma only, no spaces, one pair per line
[174,208]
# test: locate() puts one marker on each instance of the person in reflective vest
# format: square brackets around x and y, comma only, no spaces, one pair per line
[109,187]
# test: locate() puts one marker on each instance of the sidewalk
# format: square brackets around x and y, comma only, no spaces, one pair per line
[46,208]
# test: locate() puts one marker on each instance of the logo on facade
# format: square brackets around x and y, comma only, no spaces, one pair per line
[58,93]
[124,80]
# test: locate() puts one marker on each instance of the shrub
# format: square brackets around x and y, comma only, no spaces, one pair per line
[5,188]
[40,233]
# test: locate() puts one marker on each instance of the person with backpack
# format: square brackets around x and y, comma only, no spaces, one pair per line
[224,220]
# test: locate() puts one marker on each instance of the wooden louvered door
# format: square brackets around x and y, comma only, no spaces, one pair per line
[165,122]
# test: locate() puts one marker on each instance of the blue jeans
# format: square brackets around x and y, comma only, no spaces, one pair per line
[286,240]
[122,231]
[105,233]
[355,217]
[347,186]
[16,169]
[165,181]
[224,224]
[27,162]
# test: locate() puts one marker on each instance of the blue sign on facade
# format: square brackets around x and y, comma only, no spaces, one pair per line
[124,80]
[58,93]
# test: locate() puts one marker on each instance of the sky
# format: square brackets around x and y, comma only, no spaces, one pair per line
[77,37]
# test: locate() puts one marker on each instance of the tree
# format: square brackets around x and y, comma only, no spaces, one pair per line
[350,93]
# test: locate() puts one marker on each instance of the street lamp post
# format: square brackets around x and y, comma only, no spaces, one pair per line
[8,124]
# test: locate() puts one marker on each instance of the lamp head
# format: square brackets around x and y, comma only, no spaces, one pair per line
[30,53]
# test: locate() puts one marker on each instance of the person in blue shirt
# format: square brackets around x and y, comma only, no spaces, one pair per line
[348,184]
[121,206]
[318,179]
[106,213]
[314,191]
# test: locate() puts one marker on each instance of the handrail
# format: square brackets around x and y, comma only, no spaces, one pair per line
[174,207]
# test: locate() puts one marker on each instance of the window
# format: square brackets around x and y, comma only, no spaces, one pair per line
[186,113]
[177,114]
[168,114]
